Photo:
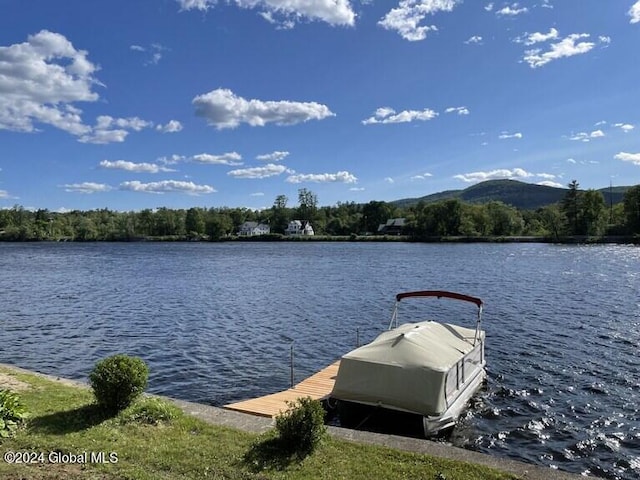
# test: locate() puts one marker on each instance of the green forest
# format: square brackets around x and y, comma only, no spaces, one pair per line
[581,213]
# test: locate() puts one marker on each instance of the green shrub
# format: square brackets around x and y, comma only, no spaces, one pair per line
[301,426]
[12,413]
[151,411]
[118,380]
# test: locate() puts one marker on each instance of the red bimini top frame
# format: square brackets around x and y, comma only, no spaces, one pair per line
[439,294]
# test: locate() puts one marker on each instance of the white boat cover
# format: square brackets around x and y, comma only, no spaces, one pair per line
[404,368]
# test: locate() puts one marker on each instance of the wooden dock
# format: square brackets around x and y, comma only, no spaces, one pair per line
[317,386]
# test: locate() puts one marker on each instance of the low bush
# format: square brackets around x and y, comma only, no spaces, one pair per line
[151,411]
[12,413]
[118,380]
[301,427]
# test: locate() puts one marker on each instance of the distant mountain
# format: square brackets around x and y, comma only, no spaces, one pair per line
[525,196]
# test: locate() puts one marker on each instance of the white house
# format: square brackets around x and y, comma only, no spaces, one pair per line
[299,227]
[250,229]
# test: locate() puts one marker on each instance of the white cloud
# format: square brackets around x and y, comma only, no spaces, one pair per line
[229,158]
[389,180]
[634,12]
[424,176]
[172,127]
[384,112]
[512,10]
[506,135]
[172,159]
[257,194]
[389,115]
[269,170]
[281,24]
[133,167]
[567,47]
[458,110]
[473,39]
[625,127]
[333,12]
[196,4]
[86,187]
[339,177]
[41,79]
[582,162]
[113,130]
[4,194]
[489,7]
[223,109]
[628,157]
[549,183]
[493,175]
[538,37]
[356,189]
[273,157]
[102,137]
[548,176]
[154,52]
[406,18]
[167,186]
[105,122]
[586,137]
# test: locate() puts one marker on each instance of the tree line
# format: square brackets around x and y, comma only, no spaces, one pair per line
[580,213]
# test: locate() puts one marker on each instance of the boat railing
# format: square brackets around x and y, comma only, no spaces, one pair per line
[438,294]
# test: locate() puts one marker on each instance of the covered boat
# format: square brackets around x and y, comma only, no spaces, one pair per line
[428,368]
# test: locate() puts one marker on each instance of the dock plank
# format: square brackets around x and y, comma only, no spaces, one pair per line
[317,386]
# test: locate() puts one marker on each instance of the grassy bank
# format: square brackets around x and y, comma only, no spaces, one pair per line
[63,420]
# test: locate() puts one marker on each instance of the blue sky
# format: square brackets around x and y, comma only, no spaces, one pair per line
[178,103]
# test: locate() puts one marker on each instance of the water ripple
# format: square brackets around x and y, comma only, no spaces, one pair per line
[216,323]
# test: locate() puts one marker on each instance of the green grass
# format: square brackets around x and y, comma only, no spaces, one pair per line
[155,440]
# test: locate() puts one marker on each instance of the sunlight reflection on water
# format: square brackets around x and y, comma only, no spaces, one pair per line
[215,322]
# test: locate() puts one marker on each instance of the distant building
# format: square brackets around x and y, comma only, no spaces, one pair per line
[299,227]
[394,226]
[250,229]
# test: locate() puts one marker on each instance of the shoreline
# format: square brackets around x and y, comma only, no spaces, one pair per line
[258,425]
[568,240]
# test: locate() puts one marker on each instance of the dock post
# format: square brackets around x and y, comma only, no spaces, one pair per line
[291,366]
[357,337]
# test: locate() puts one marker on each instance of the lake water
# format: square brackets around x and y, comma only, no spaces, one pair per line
[215,323]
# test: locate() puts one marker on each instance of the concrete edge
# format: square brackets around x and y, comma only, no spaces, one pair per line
[54,378]
[442,450]
[256,424]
